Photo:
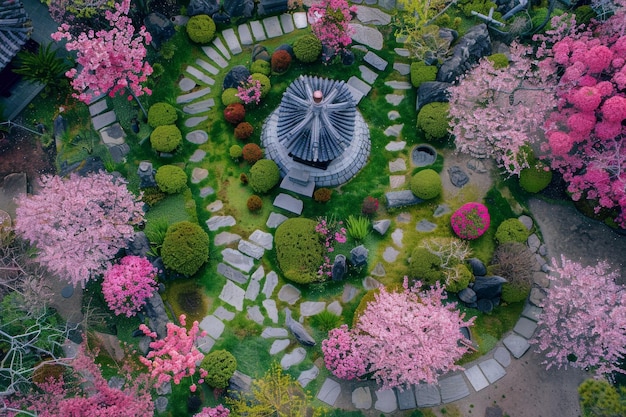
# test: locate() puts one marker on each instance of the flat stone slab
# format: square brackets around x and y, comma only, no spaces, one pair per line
[217,222]
[394,130]
[357,95]
[275,220]
[402,52]
[286,21]
[274,332]
[293,358]
[396,181]
[372,16]
[217,42]
[198,175]
[213,326]
[254,314]
[272,27]
[370,283]
[453,388]
[393,115]
[263,239]
[103,120]
[186,98]
[245,36]
[232,41]
[399,85]
[335,308]
[397,165]
[476,378]
[278,346]
[385,401]
[362,398]
[199,75]
[425,226]
[517,345]
[289,294]
[390,254]
[406,399]
[113,135]
[300,20]
[98,107]
[226,238]
[238,259]
[206,191]
[403,69]
[502,356]
[492,370]
[395,146]
[258,274]
[367,74]
[381,226]
[257,30]
[289,203]
[271,310]
[271,281]
[250,249]
[252,292]
[195,121]
[367,36]
[307,376]
[197,137]
[231,273]
[207,67]
[329,392]
[215,206]
[525,327]
[205,344]
[359,85]
[199,106]
[349,292]
[197,156]
[223,314]
[427,395]
[375,61]
[233,295]
[311,308]
[215,56]
[394,99]
[532,312]
[397,237]
[379,270]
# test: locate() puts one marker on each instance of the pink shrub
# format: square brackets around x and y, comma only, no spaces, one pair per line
[127,285]
[470,221]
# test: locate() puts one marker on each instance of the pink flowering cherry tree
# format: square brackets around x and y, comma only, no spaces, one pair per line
[250,91]
[219,411]
[331,23]
[583,323]
[78,223]
[127,285]
[110,61]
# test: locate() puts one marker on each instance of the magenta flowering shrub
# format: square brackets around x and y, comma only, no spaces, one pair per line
[250,91]
[470,221]
[332,232]
[331,23]
[127,285]
[219,411]
[342,355]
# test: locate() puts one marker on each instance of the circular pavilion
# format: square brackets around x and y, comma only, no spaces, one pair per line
[317,137]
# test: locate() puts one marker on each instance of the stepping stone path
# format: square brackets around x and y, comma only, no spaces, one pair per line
[289,203]
[217,222]
[308,376]
[329,392]
[293,358]
[397,165]
[289,294]
[395,146]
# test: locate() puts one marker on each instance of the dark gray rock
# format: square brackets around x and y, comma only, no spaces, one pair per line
[160,266]
[488,287]
[260,52]
[402,198]
[160,27]
[239,8]
[221,18]
[59,127]
[381,226]
[339,268]
[484,305]
[157,316]
[467,295]
[477,267]
[267,7]
[458,177]
[358,255]
[430,92]
[298,330]
[237,75]
[146,174]
[139,245]
[208,7]
[286,47]
[469,49]
[240,382]
[347,58]
[449,35]
[328,54]
[160,404]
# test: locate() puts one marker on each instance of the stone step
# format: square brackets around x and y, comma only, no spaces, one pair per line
[300,20]
[97,107]
[186,98]
[217,42]
[399,85]
[453,388]
[403,69]
[289,203]
[199,75]
[103,120]
[245,36]
[286,21]
[375,61]
[195,121]
[257,31]
[329,392]
[231,40]
[199,106]
[272,27]
[207,67]
[215,56]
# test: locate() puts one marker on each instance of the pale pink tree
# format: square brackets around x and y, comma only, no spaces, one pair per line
[583,323]
[127,285]
[330,23]
[497,112]
[78,223]
[342,355]
[219,411]
[175,356]
[110,61]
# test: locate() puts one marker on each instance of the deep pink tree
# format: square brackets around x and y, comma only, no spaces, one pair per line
[175,356]
[331,23]
[110,61]
[583,323]
[127,285]
[405,337]
[78,223]
[342,355]
[497,112]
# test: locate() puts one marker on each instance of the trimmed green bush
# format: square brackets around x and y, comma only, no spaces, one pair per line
[535,178]
[425,266]
[235,151]
[307,48]
[185,248]
[514,293]
[499,60]
[512,230]
[201,28]
[166,138]
[264,175]
[229,96]
[420,72]
[171,179]
[299,250]
[221,365]
[260,66]
[458,278]
[160,114]
[433,119]
[426,184]
[266,84]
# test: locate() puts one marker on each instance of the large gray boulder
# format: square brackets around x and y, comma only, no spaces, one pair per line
[157,316]
[208,7]
[267,7]
[488,287]
[401,198]
[139,245]
[239,8]
[430,92]
[160,27]
[298,330]
[237,75]
[474,45]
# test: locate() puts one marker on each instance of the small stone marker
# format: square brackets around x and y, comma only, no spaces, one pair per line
[425,226]
[335,308]
[329,392]
[370,283]
[397,236]
[381,226]
[205,343]
[349,292]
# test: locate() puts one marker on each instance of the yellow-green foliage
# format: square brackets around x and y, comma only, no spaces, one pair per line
[185,248]
[499,60]
[166,138]
[160,114]
[458,278]
[201,28]
[171,179]
[535,178]
[433,119]
[229,96]
[601,399]
[264,175]
[512,230]
[266,84]
[425,266]
[261,66]
[307,48]
[514,293]
[420,72]
[221,365]
[426,184]
[299,250]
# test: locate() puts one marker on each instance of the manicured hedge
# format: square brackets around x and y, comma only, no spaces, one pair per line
[185,248]
[426,184]
[201,28]
[299,250]
[160,114]
[229,96]
[260,66]
[221,365]
[235,151]
[322,195]
[470,221]
[252,153]
[307,48]
[425,266]
[420,73]
[264,175]
[234,113]
[243,131]
[171,179]
[266,84]
[512,230]
[166,138]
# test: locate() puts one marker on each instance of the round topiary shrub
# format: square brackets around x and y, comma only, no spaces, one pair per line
[220,365]
[229,96]
[185,248]
[426,184]
[160,114]
[322,195]
[420,73]
[201,28]
[499,60]
[235,152]
[166,138]
[171,179]
[260,66]
[266,84]
[264,175]
[535,178]
[470,221]
[512,230]
[425,266]
[243,131]
[307,48]
[254,203]
[234,113]
[433,119]
[281,61]
[252,153]
[299,250]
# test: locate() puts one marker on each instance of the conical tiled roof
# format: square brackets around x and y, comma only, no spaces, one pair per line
[15,30]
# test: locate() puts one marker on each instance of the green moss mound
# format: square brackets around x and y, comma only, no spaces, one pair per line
[420,73]
[261,66]
[235,152]
[512,230]
[499,60]
[535,178]
[166,138]
[221,365]
[185,248]
[201,29]
[264,175]
[426,184]
[433,119]
[459,278]
[161,114]
[307,49]
[266,84]
[229,96]
[512,293]
[299,250]
[425,266]
[171,179]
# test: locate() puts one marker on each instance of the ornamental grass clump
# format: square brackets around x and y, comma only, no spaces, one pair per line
[358,227]
[470,221]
